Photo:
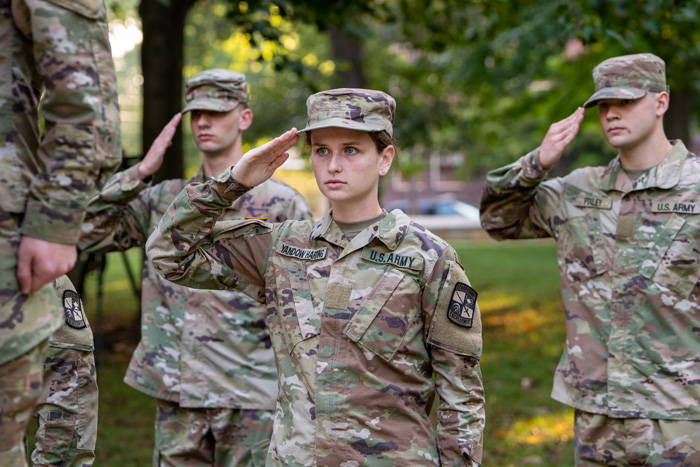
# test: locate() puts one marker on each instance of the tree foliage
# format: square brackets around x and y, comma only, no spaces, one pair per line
[483,77]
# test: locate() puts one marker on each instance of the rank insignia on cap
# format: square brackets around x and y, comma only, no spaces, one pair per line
[73,310]
[462,304]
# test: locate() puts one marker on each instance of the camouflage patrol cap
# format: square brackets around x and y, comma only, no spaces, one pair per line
[628,77]
[356,109]
[217,90]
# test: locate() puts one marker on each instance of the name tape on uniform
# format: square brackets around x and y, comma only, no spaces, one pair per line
[302,253]
[462,305]
[593,202]
[684,208]
[401,261]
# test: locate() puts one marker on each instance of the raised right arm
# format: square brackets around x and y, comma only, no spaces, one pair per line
[516,201]
[190,248]
[118,217]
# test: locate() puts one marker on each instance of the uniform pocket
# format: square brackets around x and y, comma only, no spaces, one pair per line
[673,260]
[298,318]
[579,245]
[386,318]
[69,414]
[57,435]
[87,403]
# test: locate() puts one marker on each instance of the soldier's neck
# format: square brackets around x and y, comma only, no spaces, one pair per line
[651,152]
[216,163]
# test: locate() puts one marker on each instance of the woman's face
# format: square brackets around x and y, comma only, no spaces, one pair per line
[347,167]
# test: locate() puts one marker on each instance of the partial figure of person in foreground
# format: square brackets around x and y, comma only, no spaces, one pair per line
[627,239]
[370,314]
[59,140]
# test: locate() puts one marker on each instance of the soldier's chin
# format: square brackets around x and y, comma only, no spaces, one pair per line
[617,141]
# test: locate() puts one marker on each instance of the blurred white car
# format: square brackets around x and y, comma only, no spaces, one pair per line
[438,214]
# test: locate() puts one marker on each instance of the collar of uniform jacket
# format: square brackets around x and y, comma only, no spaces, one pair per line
[390,231]
[199,177]
[665,175]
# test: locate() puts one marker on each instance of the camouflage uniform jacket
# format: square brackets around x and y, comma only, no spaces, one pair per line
[629,266]
[199,348]
[359,328]
[48,172]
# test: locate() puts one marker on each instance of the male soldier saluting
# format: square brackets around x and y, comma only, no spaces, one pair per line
[205,355]
[59,48]
[627,239]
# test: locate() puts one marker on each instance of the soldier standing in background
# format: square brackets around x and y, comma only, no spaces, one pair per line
[60,49]
[205,355]
[627,238]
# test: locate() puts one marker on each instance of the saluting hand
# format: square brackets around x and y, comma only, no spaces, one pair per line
[558,137]
[257,165]
[154,157]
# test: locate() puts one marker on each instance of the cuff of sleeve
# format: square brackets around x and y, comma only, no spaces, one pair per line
[532,167]
[51,224]
[132,181]
[231,188]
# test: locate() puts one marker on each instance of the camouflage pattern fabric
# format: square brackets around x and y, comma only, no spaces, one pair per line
[24,319]
[216,90]
[628,77]
[211,437]
[359,328]
[62,48]
[356,109]
[67,409]
[207,349]
[629,266]
[57,51]
[20,388]
[601,440]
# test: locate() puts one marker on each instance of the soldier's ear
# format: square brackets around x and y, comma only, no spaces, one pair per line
[662,102]
[246,119]
[386,158]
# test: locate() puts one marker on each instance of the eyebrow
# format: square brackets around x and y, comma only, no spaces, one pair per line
[349,143]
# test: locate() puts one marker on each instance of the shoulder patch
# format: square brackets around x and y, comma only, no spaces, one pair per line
[462,304]
[456,322]
[73,310]
[309,254]
[386,257]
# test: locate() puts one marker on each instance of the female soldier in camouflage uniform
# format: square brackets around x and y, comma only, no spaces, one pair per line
[370,314]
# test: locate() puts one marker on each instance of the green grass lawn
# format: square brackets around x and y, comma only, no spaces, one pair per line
[524,334]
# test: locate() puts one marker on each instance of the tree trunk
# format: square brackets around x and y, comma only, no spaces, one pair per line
[678,117]
[162,61]
[348,53]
